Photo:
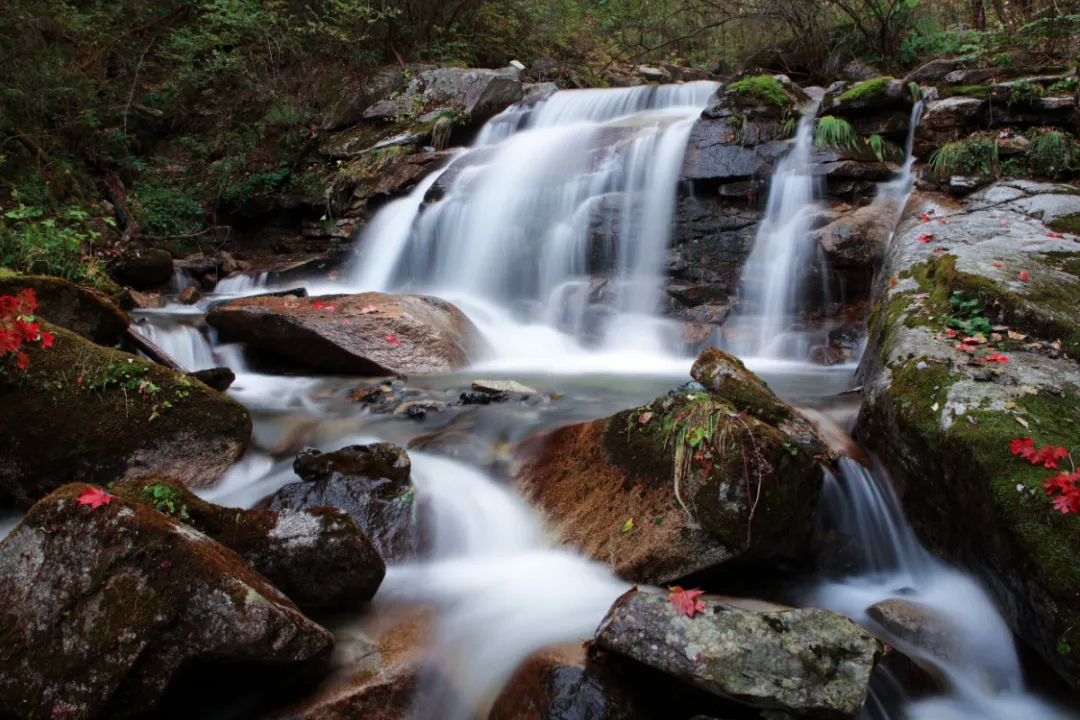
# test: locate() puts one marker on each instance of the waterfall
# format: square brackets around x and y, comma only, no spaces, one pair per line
[896,191]
[987,683]
[560,211]
[775,272]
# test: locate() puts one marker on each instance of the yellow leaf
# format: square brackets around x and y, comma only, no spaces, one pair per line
[1016,336]
[628,525]
[1022,421]
[1010,405]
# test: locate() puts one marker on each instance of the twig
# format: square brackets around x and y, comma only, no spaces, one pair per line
[135,82]
[190,235]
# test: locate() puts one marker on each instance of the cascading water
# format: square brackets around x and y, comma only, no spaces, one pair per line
[775,272]
[984,675]
[517,227]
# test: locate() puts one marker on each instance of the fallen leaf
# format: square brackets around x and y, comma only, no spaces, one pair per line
[686,602]
[1010,405]
[95,497]
[939,250]
[1054,235]
[1003,222]
[1022,421]
[943,221]
[997,264]
[925,217]
[627,526]
[644,417]
[925,238]
[1016,336]
[392,339]
[995,357]
[965,347]
[369,309]
[1024,276]
[977,339]
[893,281]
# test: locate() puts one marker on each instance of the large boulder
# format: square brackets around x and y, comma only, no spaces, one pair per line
[682,484]
[318,556]
[370,483]
[82,412]
[804,661]
[102,605]
[942,412]
[142,269]
[365,334]
[474,94]
[70,306]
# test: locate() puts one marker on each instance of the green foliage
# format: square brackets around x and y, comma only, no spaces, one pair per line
[976,155]
[1063,87]
[166,499]
[761,88]
[835,132]
[1053,153]
[60,244]
[878,146]
[1023,92]
[167,210]
[977,91]
[967,317]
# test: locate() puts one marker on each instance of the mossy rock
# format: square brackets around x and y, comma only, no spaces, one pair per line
[142,269]
[90,314]
[942,420]
[680,485]
[883,95]
[82,412]
[318,557]
[763,96]
[101,606]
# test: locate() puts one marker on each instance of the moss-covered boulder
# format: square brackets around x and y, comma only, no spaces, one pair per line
[318,557]
[81,310]
[883,93]
[82,412]
[142,269]
[682,484]
[974,340]
[364,334]
[804,661]
[100,606]
[371,484]
[763,96]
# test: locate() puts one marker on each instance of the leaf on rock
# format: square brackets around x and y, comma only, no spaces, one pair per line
[95,497]
[393,340]
[995,357]
[627,526]
[925,238]
[1054,235]
[1024,276]
[686,602]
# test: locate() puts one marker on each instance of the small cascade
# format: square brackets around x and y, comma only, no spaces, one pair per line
[185,343]
[987,683]
[776,271]
[561,211]
[242,284]
[895,192]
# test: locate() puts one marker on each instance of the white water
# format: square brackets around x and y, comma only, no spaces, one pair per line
[776,270]
[988,684]
[514,230]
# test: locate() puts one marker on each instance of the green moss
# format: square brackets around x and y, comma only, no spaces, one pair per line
[1068,261]
[868,90]
[976,91]
[761,88]
[1067,223]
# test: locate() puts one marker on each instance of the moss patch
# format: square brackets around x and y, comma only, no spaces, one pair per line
[976,91]
[1067,223]
[1069,262]
[868,90]
[761,88]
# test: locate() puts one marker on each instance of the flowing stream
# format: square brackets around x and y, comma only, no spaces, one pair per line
[510,240]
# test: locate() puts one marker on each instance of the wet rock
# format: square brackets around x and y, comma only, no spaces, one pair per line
[874,96]
[318,557]
[82,412]
[144,301]
[561,683]
[804,661]
[85,312]
[219,378]
[712,153]
[935,411]
[857,240]
[535,92]
[674,471]
[474,93]
[371,483]
[653,74]
[497,387]
[190,295]
[142,269]
[377,86]
[366,334]
[101,606]
[475,397]
[922,627]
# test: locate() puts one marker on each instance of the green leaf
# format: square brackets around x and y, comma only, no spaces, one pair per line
[627,526]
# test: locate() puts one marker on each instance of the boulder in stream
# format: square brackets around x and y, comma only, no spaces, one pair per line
[142,269]
[365,334]
[974,343]
[370,483]
[101,605]
[804,661]
[682,484]
[82,412]
[318,557]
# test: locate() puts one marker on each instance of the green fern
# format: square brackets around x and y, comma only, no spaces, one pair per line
[835,132]
[976,155]
[915,91]
[789,128]
[877,146]
[1052,153]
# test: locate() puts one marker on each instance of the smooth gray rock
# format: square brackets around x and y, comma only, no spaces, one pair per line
[805,661]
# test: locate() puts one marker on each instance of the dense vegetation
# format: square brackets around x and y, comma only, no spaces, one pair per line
[180,113]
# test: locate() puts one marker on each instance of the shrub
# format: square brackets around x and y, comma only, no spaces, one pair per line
[1052,153]
[976,155]
[167,210]
[60,245]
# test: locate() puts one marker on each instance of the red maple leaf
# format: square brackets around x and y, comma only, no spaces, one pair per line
[965,347]
[95,497]
[1054,234]
[995,357]
[686,602]
[1061,483]
[392,339]
[1024,275]
[46,339]
[997,264]
[1024,447]
[320,305]
[1049,455]
[925,238]
[925,217]
[22,360]
[939,250]
[1067,502]
[950,332]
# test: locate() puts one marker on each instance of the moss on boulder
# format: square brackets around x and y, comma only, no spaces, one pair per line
[680,485]
[82,412]
[942,419]
[101,606]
